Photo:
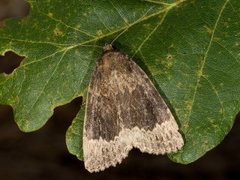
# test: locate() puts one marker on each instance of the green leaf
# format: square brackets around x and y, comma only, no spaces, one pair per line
[190,49]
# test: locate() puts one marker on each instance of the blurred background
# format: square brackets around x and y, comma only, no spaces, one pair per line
[43,154]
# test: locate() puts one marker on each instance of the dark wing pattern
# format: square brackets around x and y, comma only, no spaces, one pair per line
[124,110]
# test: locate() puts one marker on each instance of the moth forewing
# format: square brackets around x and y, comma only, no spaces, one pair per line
[124,110]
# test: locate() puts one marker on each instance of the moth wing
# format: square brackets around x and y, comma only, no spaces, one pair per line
[124,110]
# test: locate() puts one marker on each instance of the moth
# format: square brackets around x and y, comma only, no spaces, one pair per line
[123,111]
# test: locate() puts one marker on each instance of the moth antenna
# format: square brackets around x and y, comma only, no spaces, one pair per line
[128,27]
[119,35]
[95,46]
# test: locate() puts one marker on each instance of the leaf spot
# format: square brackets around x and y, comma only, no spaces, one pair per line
[169,57]
[99,32]
[50,15]
[208,29]
[58,32]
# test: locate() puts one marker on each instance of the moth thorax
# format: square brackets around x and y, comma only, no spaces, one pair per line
[115,61]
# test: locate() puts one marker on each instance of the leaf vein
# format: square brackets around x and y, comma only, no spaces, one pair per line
[118,12]
[141,19]
[34,42]
[216,92]
[157,2]
[45,85]
[65,24]
[237,61]
[102,21]
[203,64]
[150,34]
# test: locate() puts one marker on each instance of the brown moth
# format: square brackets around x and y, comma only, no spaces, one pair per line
[124,110]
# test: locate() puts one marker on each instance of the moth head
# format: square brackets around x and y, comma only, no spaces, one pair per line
[108,47]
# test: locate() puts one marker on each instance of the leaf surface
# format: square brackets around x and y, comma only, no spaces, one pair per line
[190,49]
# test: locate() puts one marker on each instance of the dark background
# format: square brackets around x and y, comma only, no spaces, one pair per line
[43,154]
